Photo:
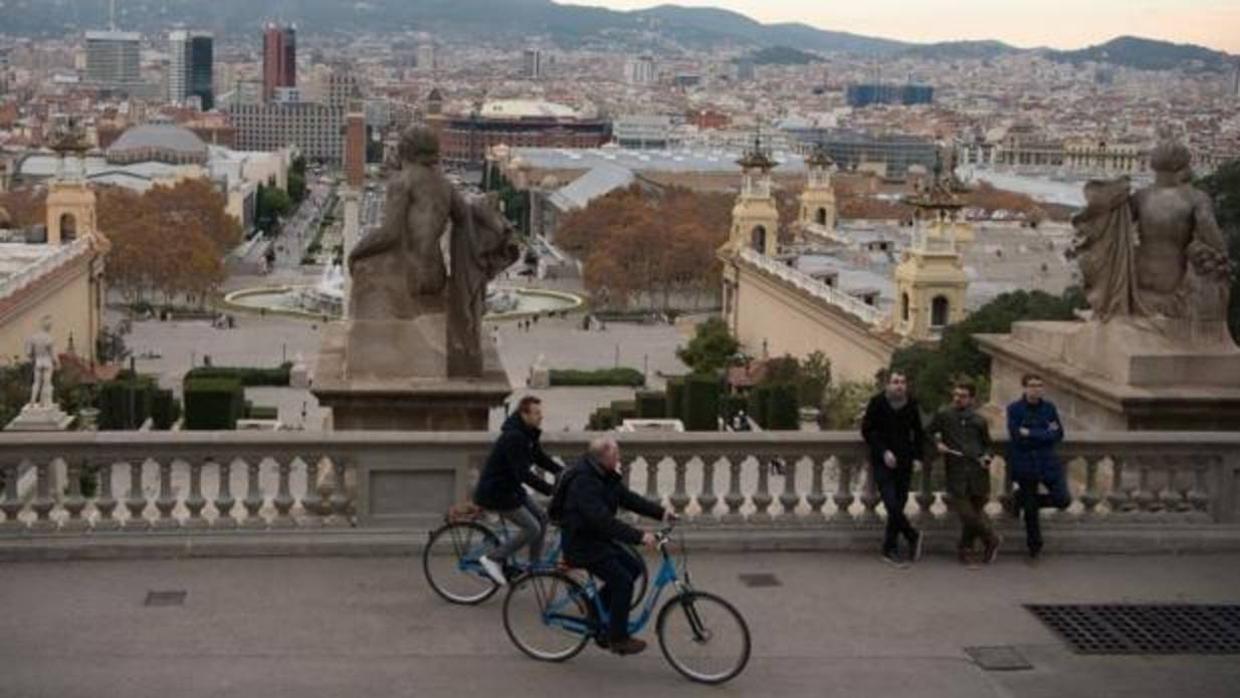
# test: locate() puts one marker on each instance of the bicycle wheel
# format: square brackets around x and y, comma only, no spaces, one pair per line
[642,582]
[703,637]
[450,561]
[547,616]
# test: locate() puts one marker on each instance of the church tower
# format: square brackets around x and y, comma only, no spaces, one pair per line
[931,283]
[755,219]
[818,199]
[70,201]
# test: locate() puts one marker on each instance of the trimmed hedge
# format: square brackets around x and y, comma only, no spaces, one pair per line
[626,377]
[759,398]
[127,402]
[783,408]
[701,403]
[603,419]
[249,377]
[732,404]
[624,409]
[213,404]
[676,398]
[165,410]
[651,405]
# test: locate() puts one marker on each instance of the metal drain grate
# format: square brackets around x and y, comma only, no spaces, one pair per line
[165,598]
[1145,629]
[760,580]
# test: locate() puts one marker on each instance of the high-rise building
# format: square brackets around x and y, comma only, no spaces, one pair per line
[342,88]
[355,149]
[279,58]
[190,68]
[316,130]
[640,71]
[863,95]
[424,58]
[532,66]
[112,58]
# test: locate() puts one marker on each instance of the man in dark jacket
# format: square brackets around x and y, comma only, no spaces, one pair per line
[1034,429]
[501,485]
[962,436]
[592,492]
[893,430]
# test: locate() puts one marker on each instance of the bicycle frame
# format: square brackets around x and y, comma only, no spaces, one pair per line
[469,561]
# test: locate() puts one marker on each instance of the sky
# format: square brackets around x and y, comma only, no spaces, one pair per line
[1064,24]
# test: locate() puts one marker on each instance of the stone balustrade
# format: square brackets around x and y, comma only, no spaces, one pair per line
[854,306]
[149,482]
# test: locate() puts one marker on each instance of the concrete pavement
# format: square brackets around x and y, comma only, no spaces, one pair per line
[839,625]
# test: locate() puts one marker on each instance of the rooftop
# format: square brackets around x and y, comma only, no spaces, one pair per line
[708,161]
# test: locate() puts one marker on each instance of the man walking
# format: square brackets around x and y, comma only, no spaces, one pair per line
[962,436]
[893,430]
[1034,429]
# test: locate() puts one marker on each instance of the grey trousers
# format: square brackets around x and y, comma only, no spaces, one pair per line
[531,525]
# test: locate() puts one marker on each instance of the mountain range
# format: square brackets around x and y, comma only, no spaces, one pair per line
[663,27]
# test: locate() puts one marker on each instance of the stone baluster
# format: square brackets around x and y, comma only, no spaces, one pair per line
[43,502]
[1175,496]
[734,499]
[194,502]
[311,503]
[789,498]
[253,501]
[166,501]
[869,496]
[106,503]
[652,478]
[925,492]
[339,497]
[1198,497]
[707,499]
[1091,497]
[626,472]
[283,501]
[74,504]
[1145,499]
[680,495]
[1118,499]
[762,498]
[843,498]
[11,505]
[817,497]
[224,501]
[135,503]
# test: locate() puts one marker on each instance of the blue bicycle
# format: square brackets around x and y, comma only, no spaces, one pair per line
[551,616]
[450,558]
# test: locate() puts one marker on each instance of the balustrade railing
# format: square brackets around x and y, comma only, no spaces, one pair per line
[146,483]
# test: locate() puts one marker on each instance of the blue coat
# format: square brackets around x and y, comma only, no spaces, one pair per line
[1033,456]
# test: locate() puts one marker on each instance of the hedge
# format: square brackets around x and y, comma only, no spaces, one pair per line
[733,404]
[127,402]
[249,377]
[676,398]
[627,377]
[783,408]
[759,398]
[701,403]
[165,410]
[603,419]
[651,405]
[213,404]
[624,409]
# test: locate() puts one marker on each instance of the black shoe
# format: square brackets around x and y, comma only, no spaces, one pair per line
[602,641]
[627,646]
[915,547]
[893,558]
[1035,553]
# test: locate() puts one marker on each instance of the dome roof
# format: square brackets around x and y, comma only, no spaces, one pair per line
[159,141]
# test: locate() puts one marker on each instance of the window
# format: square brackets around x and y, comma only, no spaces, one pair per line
[822,216]
[757,239]
[68,228]
[904,307]
[939,311]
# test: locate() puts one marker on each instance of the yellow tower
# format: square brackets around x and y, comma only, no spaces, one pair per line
[818,199]
[930,280]
[755,219]
[70,201]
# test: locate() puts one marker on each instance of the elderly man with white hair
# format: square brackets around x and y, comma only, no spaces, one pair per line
[585,505]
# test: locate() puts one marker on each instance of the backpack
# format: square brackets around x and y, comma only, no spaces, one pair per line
[555,508]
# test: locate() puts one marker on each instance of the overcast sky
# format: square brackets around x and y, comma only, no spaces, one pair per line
[1024,23]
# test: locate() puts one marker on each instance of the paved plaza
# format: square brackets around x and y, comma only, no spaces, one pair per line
[839,625]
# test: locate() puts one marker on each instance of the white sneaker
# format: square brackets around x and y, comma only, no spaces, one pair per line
[494,570]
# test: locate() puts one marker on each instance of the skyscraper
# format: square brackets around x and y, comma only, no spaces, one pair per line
[532,64]
[424,58]
[190,68]
[112,58]
[279,59]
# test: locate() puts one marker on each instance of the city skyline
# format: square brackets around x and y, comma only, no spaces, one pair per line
[1021,23]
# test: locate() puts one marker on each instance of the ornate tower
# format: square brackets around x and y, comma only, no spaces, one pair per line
[818,199]
[70,201]
[755,219]
[930,280]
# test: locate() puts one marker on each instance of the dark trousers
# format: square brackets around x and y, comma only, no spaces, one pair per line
[974,523]
[893,486]
[617,570]
[1030,502]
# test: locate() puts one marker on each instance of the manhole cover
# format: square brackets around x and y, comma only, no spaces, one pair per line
[1145,628]
[1000,658]
[760,580]
[165,598]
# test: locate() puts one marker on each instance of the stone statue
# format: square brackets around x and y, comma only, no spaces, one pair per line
[1157,253]
[42,352]
[399,271]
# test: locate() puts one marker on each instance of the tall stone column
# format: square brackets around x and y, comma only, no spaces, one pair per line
[351,198]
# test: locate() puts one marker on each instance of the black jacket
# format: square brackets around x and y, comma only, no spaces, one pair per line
[592,495]
[510,464]
[899,431]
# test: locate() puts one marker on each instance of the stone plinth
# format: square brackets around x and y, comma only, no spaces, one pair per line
[382,395]
[35,418]
[1121,375]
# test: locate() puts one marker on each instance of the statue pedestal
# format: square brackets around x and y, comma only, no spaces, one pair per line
[366,375]
[35,418]
[1122,375]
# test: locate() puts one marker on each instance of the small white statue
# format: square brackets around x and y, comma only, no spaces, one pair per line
[42,352]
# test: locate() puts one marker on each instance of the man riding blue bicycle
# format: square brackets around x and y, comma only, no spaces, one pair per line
[585,505]
[501,486]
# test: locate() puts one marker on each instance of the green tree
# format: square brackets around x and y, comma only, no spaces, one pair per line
[711,348]
[1224,188]
[297,180]
[932,368]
